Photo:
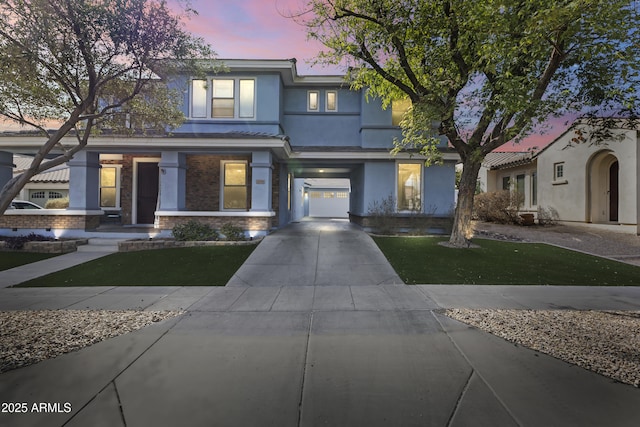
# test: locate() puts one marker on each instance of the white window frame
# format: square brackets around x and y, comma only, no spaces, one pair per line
[118,172]
[222,184]
[317,94]
[326,101]
[534,188]
[397,170]
[236,99]
[558,167]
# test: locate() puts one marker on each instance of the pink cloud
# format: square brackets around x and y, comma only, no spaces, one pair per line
[256,29]
[542,136]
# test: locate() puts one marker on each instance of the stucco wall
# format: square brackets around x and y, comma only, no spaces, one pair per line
[491,180]
[580,195]
[439,189]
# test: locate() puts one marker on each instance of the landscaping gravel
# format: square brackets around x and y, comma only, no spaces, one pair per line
[606,342]
[27,337]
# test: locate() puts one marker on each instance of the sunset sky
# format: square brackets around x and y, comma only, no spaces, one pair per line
[257,29]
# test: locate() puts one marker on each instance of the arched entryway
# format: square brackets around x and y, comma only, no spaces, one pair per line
[603,200]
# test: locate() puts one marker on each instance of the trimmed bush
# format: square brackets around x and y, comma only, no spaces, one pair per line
[232,232]
[57,203]
[497,206]
[194,231]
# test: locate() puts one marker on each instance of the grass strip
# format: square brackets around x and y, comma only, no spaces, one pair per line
[195,266]
[420,260]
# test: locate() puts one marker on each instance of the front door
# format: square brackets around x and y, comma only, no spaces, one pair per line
[613,191]
[147,190]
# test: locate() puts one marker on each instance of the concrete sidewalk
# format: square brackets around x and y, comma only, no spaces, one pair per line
[330,355]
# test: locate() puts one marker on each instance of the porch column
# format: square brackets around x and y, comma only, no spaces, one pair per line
[173,178]
[261,177]
[6,167]
[84,181]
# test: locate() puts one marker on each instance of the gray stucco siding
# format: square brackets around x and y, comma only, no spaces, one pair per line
[322,130]
[439,189]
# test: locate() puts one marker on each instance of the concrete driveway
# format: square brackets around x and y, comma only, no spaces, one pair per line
[316,253]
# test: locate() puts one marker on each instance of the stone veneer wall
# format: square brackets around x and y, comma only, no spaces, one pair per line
[53,221]
[408,223]
[246,223]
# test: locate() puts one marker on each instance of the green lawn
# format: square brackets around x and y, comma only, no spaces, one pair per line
[420,260]
[15,259]
[197,266]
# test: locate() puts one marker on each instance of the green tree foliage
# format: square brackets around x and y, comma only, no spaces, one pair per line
[483,73]
[83,67]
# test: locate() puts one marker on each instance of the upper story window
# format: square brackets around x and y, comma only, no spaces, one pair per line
[224,98]
[331,100]
[398,109]
[313,100]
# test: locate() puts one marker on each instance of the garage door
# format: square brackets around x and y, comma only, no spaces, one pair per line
[329,203]
[40,197]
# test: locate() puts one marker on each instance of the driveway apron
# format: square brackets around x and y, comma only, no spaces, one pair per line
[316,253]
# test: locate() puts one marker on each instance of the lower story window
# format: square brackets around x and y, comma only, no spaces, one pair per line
[108,187]
[409,186]
[234,185]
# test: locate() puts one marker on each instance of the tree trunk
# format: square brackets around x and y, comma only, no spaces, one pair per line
[12,189]
[462,228]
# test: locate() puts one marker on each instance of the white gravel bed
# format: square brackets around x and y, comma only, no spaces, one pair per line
[606,342]
[27,337]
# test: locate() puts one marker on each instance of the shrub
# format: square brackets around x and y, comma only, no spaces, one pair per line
[57,203]
[497,206]
[232,232]
[381,214]
[193,230]
[547,216]
[17,242]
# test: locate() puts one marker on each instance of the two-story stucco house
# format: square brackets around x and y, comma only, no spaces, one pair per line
[249,134]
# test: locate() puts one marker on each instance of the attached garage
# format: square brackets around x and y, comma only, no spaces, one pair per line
[329,203]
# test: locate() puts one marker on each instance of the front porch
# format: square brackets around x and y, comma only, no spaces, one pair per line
[140,192]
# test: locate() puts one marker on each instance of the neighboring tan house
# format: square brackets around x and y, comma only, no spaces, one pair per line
[594,183]
[580,180]
[249,134]
[513,171]
[51,184]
